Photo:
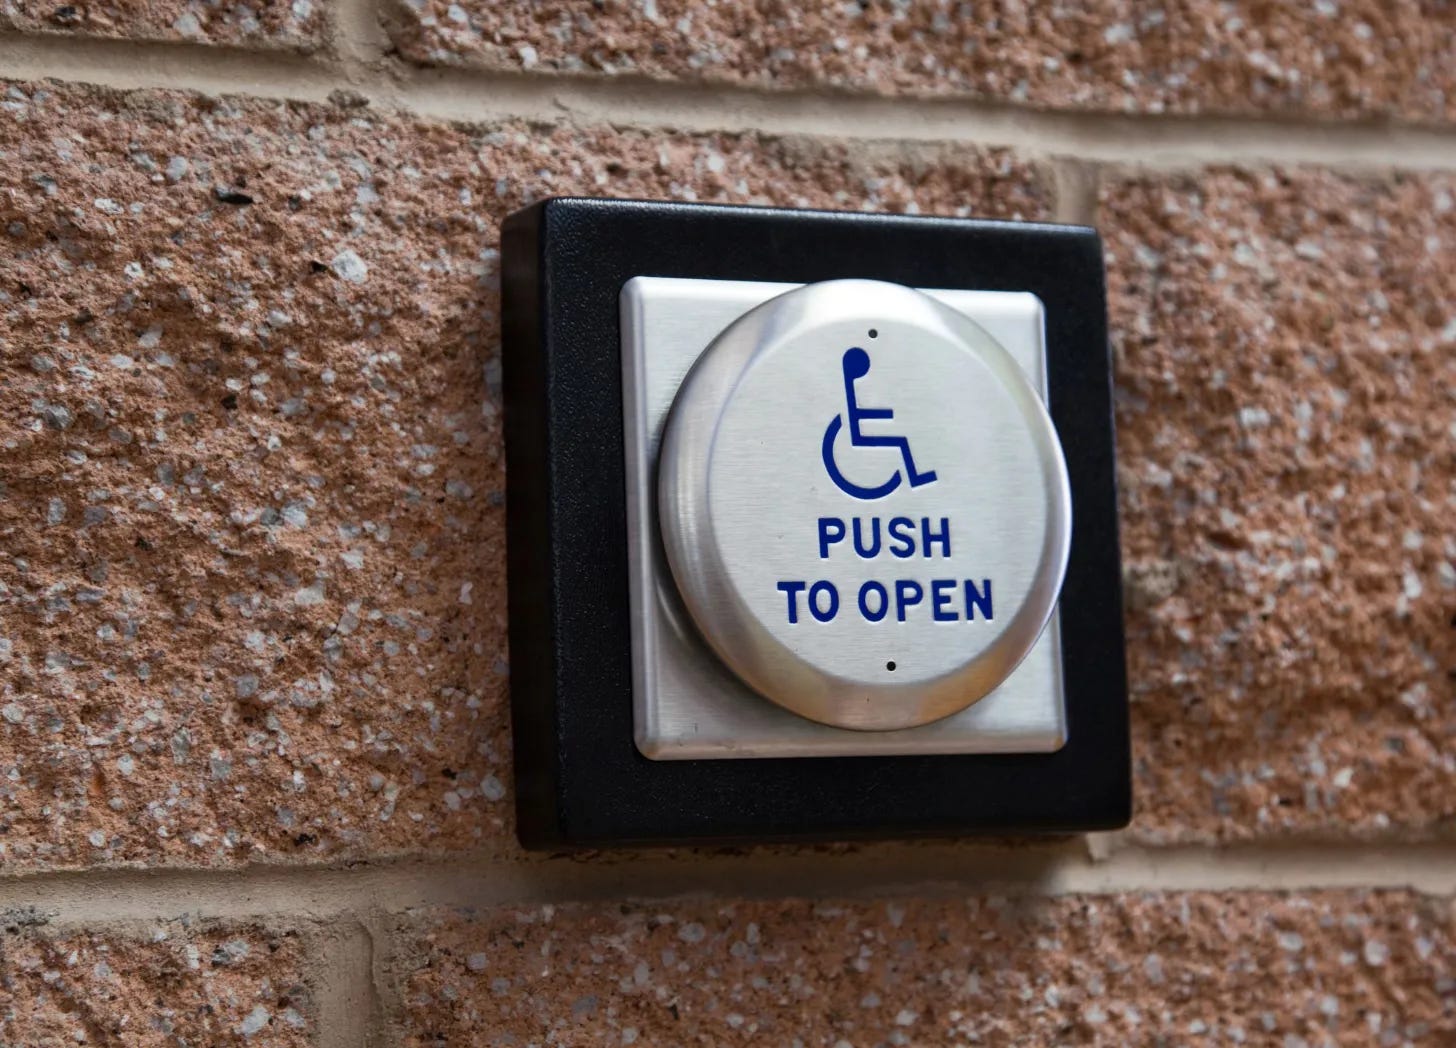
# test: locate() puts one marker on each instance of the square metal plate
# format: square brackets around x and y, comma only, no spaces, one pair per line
[686,704]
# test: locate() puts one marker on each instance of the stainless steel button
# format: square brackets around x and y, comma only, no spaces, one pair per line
[864,505]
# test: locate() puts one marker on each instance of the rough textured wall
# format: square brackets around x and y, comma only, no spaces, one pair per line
[255,773]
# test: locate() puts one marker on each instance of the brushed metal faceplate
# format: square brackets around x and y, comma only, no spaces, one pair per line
[687,704]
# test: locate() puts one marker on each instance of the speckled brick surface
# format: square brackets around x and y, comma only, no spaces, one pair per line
[1145,969]
[296,25]
[150,986]
[251,590]
[1286,374]
[1354,57]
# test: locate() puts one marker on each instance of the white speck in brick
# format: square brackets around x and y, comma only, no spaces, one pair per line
[55,511]
[231,952]
[491,788]
[302,9]
[692,932]
[1410,585]
[347,265]
[13,713]
[1253,418]
[465,588]
[246,686]
[905,1017]
[220,767]
[176,169]
[125,764]
[150,338]
[1414,697]
[97,838]
[1291,941]
[352,558]
[476,962]
[295,515]
[255,1021]
[309,596]
[452,800]
[1376,953]
[108,206]
[57,416]
[528,56]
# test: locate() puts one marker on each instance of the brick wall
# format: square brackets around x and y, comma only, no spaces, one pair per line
[255,775]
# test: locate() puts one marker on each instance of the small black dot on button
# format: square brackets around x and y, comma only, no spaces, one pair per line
[874,333]
[890,666]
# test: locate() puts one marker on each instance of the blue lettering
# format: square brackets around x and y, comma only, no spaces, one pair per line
[831,530]
[815,592]
[859,543]
[793,589]
[907,594]
[864,607]
[975,599]
[940,597]
[902,531]
[929,538]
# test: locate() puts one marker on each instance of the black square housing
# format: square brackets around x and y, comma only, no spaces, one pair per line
[580,780]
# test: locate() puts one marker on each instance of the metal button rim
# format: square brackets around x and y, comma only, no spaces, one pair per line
[762,660]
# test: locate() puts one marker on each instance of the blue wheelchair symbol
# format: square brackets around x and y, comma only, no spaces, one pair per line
[856,366]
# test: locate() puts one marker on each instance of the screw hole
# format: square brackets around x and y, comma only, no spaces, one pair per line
[874,333]
[890,666]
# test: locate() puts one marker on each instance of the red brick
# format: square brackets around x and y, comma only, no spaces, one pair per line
[151,986]
[1252,968]
[1286,376]
[295,25]
[253,578]
[1358,58]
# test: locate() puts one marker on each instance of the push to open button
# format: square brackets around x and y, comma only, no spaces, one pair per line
[864,505]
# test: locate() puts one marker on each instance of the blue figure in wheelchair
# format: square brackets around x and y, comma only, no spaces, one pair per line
[856,365]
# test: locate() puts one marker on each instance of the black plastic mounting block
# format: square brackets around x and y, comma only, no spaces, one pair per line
[580,780]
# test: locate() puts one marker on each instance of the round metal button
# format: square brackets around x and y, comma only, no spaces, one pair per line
[864,505]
